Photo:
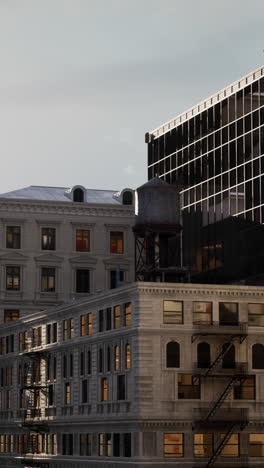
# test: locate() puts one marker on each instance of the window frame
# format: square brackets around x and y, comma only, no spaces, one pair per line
[117,237]
[169,321]
[15,237]
[50,243]
[181,444]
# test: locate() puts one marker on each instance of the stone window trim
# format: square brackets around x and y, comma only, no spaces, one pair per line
[124,228]
[85,264]
[39,268]
[86,227]
[46,223]
[13,222]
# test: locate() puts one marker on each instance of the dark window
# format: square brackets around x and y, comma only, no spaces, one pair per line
[173,354]
[116,242]
[82,240]
[54,328]
[256,315]
[228,313]
[78,195]
[82,281]
[89,362]
[101,320]
[108,359]
[245,389]
[256,445]
[10,315]
[48,238]
[47,279]
[48,334]
[82,363]
[50,395]
[101,360]
[116,445]
[127,445]
[121,387]
[202,313]
[127,198]
[188,386]
[203,355]
[229,360]
[13,237]
[128,314]
[258,356]
[116,277]
[108,318]
[84,391]
[13,278]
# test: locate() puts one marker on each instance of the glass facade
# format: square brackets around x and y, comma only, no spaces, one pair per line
[215,155]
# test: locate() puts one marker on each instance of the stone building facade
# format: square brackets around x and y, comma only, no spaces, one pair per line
[59,244]
[144,375]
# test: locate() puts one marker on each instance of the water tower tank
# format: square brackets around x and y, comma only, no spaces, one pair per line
[158,204]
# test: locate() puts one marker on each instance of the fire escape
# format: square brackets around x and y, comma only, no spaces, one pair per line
[215,418]
[33,414]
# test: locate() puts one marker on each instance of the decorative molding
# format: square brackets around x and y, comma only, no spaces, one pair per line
[48,258]
[116,260]
[87,259]
[13,220]
[13,256]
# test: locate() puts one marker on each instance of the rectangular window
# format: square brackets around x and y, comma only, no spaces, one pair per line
[67,393]
[68,329]
[117,316]
[48,334]
[82,325]
[48,238]
[116,242]
[12,278]
[108,318]
[231,448]
[203,445]
[37,336]
[47,279]
[172,312]
[172,445]
[86,444]
[245,389]
[101,320]
[108,445]
[82,363]
[101,445]
[188,386]
[202,313]
[54,332]
[84,391]
[128,314]
[89,324]
[116,445]
[13,236]
[116,277]
[256,315]
[256,445]
[86,324]
[228,313]
[82,240]
[82,281]
[104,389]
[65,329]
[10,315]
[121,387]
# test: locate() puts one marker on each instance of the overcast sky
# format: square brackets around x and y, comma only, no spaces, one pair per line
[81,81]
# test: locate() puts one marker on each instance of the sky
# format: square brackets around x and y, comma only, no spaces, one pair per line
[82,81]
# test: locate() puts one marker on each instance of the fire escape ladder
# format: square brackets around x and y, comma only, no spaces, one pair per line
[220,446]
[221,398]
[219,358]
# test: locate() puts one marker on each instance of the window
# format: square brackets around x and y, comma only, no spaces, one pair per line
[82,363]
[121,387]
[23,341]
[172,445]
[10,315]
[82,281]
[258,356]
[12,278]
[67,393]
[203,355]
[203,445]
[101,320]
[108,445]
[84,391]
[104,389]
[108,364]
[108,318]
[229,358]
[68,329]
[67,444]
[116,277]
[128,314]
[117,358]
[37,335]
[82,240]
[116,242]
[202,313]
[128,356]
[228,313]
[245,389]
[256,445]
[13,236]
[101,360]
[127,444]
[101,445]
[86,444]
[173,354]
[47,279]
[188,386]
[48,238]
[231,448]
[172,312]
[89,362]
[127,198]
[117,316]
[256,315]
[78,195]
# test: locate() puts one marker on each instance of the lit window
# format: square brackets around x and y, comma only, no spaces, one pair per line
[116,242]
[231,448]
[128,356]
[203,445]
[188,386]
[256,445]
[90,324]
[101,445]
[13,237]
[86,324]
[48,238]
[117,357]
[172,312]
[128,314]
[67,394]
[202,313]
[256,315]
[47,279]
[117,316]
[13,278]
[82,280]
[82,325]
[172,445]
[104,390]
[82,240]
[10,315]
[245,389]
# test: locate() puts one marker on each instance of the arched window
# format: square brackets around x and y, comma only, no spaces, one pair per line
[258,356]
[203,355]
[127,198]
[117,357]
[78,195]
[173,354]
[229,359]
[128,356]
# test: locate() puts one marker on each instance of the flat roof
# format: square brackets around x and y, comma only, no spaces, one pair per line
[209,102]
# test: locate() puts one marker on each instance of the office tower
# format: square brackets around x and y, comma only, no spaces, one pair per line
[214,152]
